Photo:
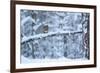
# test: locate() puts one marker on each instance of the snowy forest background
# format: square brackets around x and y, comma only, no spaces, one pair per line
[54,35]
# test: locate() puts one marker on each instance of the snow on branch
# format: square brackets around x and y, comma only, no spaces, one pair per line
[33,37]
[27,19]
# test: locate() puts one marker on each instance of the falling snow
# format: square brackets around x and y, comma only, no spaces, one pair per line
[54,35]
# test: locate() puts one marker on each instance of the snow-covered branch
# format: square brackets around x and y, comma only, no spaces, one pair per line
[33,37]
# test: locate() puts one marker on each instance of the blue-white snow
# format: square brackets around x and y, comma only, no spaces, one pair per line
[49,35]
